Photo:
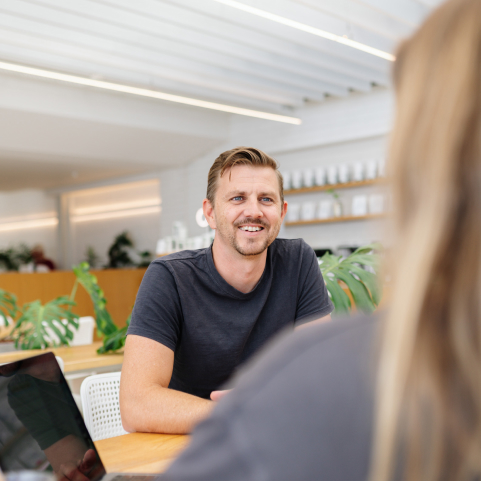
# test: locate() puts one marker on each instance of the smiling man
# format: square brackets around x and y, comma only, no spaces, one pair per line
[200,314]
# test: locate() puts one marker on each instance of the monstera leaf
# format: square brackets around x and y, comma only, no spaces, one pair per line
[364,285]
[8,306]
[41,326]
[116,340]
[105,324]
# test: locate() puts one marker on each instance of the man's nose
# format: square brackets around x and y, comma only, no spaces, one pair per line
[252,209]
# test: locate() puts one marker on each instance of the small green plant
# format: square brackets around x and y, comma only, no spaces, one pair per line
[91,257]
[34,328]
[53,324]
[105,324]
[145,259]
[333,193]
[114,337]
[364,286]
[118,252]
[13,257]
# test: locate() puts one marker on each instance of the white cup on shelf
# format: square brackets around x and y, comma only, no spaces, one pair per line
[286,178]
[344,173]
[371,169]
[382,167]
[324,209]
[332,175]
[358,171]
[376,204]
[320,176]
[308,211]
[308,177]
[359,205]
[296,179]
[293,212]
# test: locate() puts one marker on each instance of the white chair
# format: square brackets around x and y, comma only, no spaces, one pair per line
[82,336]
[100,405]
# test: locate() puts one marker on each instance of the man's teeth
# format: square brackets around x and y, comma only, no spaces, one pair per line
[250,229]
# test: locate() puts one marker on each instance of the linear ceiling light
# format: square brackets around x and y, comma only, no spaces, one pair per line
[117,214]
[116,207]
[308,29]
[146,93]
[28,224]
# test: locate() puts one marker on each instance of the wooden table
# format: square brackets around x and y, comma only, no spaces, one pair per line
[140,452]
[75,358]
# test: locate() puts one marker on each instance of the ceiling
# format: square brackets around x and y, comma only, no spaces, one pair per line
[207,50]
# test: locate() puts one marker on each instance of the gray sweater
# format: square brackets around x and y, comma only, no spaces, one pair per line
[301,410]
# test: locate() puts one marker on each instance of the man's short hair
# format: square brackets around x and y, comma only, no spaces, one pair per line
[240,156]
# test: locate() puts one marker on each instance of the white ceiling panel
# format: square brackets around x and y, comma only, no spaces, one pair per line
[202,49]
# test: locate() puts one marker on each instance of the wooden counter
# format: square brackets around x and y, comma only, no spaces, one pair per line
[140,452]
[75,358]
[120,287]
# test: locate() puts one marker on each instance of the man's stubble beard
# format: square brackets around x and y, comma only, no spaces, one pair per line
[231,237]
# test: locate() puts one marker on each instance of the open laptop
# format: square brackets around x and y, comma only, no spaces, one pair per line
[41,427]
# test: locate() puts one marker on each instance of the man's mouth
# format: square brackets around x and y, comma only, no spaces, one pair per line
[251,228]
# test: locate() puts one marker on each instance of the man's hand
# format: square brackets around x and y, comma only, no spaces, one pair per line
[78,473]
[217,395]
[146,403]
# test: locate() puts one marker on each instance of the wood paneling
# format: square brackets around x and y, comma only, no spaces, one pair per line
[120,287]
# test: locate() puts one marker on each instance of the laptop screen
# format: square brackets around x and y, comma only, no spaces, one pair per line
[41,427]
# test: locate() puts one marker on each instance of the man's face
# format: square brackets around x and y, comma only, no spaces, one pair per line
[248,210]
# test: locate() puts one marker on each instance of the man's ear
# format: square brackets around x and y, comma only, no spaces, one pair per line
[284,211]
[209,213]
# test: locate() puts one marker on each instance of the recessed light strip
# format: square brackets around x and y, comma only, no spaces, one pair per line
[103,209]
[117,214]
[146,93]
[308,29]
[28,224]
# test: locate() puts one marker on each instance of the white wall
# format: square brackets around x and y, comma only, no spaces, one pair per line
[24,206]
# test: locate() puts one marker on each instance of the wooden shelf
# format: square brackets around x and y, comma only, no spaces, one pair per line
[346,185]
[346,218]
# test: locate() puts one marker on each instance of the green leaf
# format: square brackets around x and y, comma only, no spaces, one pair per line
[105,324]
[360,294]
[363,285]
[371,281]
[37,322]
[115,341]
[8,305]
[341,301]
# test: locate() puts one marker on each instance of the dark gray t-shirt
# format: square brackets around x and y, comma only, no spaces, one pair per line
[302,411]
[185,304]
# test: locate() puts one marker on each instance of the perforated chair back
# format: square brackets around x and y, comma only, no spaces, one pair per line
[100,405]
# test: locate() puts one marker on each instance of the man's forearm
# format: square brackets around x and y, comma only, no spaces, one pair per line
[162,410]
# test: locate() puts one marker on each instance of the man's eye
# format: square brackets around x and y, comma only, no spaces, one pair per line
[237,198]
[266,199]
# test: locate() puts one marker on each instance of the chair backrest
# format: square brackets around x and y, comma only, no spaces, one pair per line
[100,405]
[82,336]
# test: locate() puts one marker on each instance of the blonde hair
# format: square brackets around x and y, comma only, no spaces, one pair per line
[240,156]
[428,416]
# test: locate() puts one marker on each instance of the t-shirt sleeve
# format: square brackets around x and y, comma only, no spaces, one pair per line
[313,300]
[157,312]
